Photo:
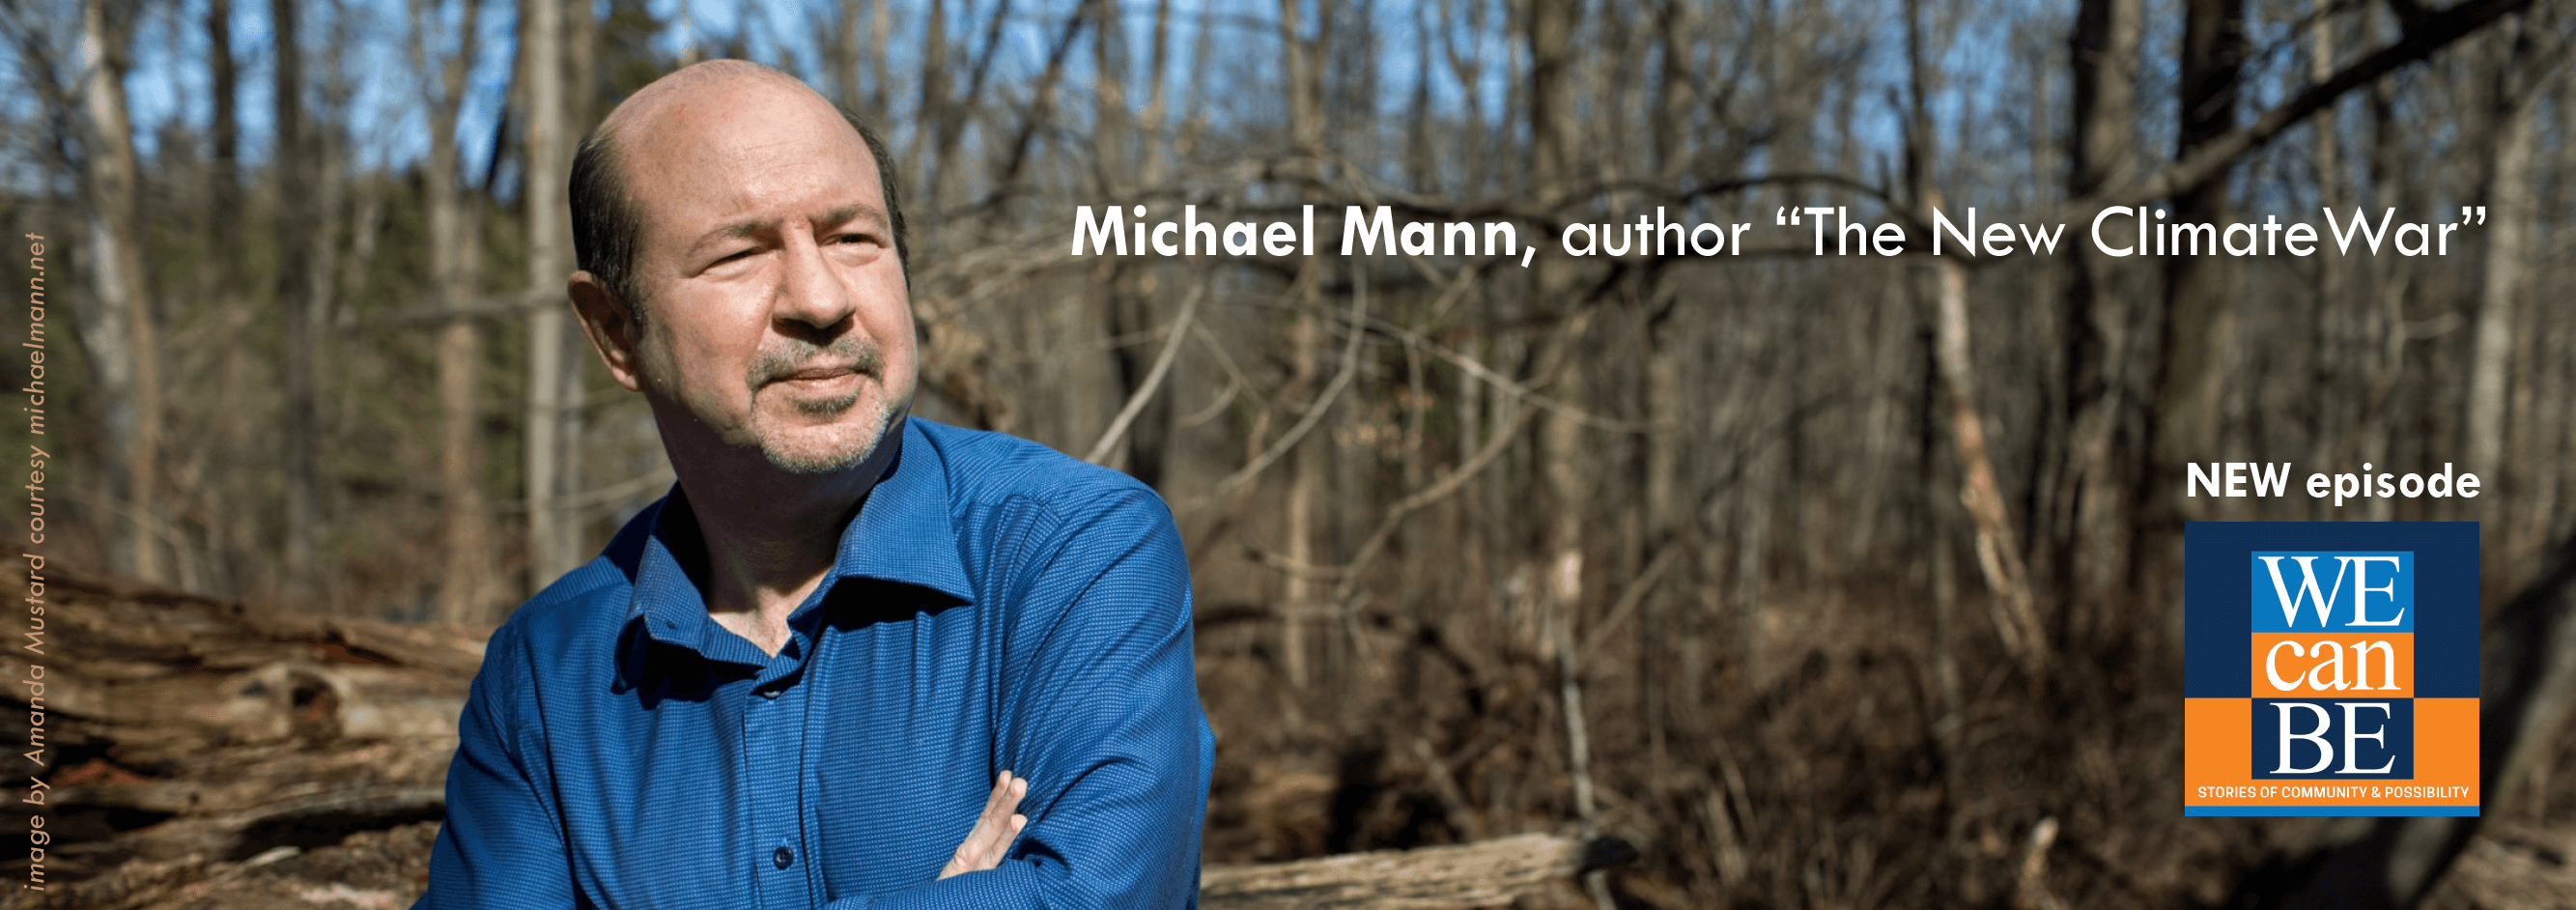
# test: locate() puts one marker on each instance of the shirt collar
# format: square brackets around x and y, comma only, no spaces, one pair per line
[902,533]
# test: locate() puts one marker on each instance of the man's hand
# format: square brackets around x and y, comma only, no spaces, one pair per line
[994,829]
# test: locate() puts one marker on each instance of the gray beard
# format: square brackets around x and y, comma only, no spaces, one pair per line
[869,362]
[883,428]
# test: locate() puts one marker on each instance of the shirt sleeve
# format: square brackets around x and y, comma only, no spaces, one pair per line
[1103,719]
[500,845]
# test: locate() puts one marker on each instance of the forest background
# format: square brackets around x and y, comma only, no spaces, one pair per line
[1825,581]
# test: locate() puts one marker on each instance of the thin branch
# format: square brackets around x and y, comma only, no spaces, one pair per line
[1437,491]
[1234,378]
[1518,390]
[1224,398]
[1314,413]
[1040,104]
[1629,600]
[2423,37]
[632,486]
[1180,329]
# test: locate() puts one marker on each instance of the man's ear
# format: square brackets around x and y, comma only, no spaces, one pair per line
[611,325]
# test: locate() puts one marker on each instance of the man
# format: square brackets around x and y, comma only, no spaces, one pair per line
[806,677]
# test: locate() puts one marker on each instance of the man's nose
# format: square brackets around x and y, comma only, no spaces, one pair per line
[812,293]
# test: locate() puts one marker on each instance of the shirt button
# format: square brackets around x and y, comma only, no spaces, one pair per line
[783,858]
[771,694]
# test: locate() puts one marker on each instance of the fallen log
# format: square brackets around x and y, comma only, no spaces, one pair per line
[388,868]
[175,728]
[214,754]
[221,756]
[1490,873]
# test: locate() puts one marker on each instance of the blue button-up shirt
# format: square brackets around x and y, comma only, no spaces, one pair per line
[993,605]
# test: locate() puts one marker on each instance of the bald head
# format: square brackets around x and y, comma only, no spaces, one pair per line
[608,225]
[701,83]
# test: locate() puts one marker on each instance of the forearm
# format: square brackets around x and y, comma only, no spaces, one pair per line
[1106,724]
[1124,834]
[1044,882]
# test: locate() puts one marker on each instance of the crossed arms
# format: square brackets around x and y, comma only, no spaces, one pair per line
[1097,709]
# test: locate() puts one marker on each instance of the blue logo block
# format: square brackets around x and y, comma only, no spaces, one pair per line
[2334,591]
[2359,740]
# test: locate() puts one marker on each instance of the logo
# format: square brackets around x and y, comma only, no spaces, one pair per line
[2330,668]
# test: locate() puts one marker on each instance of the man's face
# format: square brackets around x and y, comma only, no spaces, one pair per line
[776,314]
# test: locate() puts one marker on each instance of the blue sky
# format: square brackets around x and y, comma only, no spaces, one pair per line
[386,129]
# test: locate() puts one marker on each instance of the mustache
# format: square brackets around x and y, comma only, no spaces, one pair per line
[793,357]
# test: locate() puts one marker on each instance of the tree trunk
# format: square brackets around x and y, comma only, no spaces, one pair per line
[1554,137]
[2389,186]
[1664,337]
[297,213]
[2512,200]
[549,548]
[121,335]
[1305,85]
[1999,553]
[1305,484]
[841,56]
[2199,325]
[1675,95]
[2335,321]
[581,72]
[2089,497]
[1306,468]
[323,268]
[225,135]
[931,112]
[1127,310]
[579,50]
[1109,161]
[880,31]
[1156,167]
[466,588]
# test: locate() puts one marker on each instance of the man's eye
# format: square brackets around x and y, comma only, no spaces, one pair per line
[737,254]
[854,238]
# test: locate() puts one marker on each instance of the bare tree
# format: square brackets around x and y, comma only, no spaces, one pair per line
[224,133]
[551,536]
[1305,91]
[2512,200]
[299,239]
[467,587]
[1999,552]
[2090,494]
[120,330]
[1127,309]
[2198,325]
[1556,135]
